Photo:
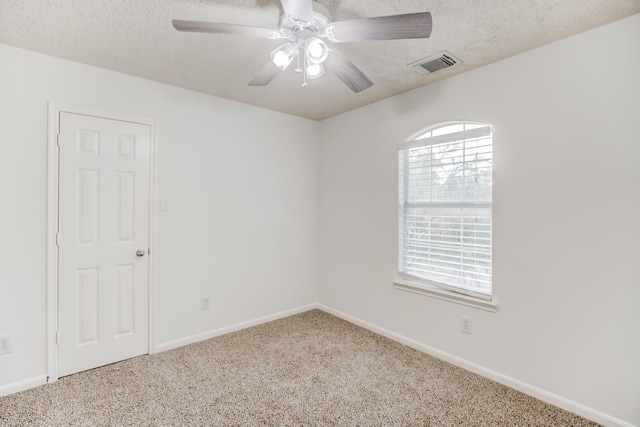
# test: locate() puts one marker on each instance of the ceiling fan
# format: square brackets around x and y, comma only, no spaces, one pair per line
[304,26]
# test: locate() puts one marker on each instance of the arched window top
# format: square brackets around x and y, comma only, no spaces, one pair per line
[446,132]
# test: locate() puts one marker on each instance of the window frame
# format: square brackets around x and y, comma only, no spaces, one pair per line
[427,285]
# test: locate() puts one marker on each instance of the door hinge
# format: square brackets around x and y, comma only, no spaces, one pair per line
[58,140]
[58,239]
[57,337]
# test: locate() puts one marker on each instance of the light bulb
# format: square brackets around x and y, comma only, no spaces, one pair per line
[316,50]
[283,55]
[314,71]
[281,59]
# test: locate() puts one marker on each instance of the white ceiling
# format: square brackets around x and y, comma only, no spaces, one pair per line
[136,37]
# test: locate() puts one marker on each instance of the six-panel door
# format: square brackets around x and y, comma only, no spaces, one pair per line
[103,241]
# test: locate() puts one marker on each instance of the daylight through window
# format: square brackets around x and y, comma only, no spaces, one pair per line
[445,180]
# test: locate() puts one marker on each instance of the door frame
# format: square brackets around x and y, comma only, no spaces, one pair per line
[53,157]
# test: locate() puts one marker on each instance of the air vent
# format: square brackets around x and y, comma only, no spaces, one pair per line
[435,63]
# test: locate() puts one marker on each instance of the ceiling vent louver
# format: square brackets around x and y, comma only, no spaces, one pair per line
[434,63]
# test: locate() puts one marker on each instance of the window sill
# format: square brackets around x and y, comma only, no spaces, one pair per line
[445,295]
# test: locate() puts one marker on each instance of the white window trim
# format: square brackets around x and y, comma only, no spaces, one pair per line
[422,288]
[421,285]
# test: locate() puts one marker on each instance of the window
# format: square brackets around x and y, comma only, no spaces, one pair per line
[445,180]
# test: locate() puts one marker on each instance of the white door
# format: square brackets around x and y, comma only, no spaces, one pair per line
[103,240]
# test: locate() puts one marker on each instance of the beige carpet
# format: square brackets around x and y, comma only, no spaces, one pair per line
[311,369]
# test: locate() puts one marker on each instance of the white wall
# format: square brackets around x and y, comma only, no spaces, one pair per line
[242,181]
[566,192]
[566,220]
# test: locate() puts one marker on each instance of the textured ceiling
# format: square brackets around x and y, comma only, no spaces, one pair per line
[136,37]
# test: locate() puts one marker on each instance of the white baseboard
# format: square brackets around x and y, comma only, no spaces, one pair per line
[533,391]
[23,385]
[232,328]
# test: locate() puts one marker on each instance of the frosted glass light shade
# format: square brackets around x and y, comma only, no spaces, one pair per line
[314,71]
[283,55]
[316,50]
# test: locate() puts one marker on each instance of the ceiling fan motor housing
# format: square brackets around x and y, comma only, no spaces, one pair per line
[291,28]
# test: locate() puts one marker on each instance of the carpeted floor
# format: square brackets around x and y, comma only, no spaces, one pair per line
[311,369]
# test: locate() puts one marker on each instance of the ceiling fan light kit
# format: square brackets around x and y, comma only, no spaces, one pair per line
[305,24]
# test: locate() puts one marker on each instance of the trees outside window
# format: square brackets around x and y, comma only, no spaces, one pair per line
[445,197]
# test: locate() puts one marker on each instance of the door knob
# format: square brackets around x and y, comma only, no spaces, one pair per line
[139,252]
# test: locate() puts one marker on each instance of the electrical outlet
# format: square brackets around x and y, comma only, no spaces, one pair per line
[6,346]
[465,325]
[205,303]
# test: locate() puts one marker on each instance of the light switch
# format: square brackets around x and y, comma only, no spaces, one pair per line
[164,203]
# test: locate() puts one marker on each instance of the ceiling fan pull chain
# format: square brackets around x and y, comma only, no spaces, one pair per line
[298,69]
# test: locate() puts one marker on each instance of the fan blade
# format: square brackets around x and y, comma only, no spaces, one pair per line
[347,72]
[407,26]
[221,28]
[300,10]
[265,75]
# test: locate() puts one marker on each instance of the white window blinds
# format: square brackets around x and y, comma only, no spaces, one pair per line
[445,180]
